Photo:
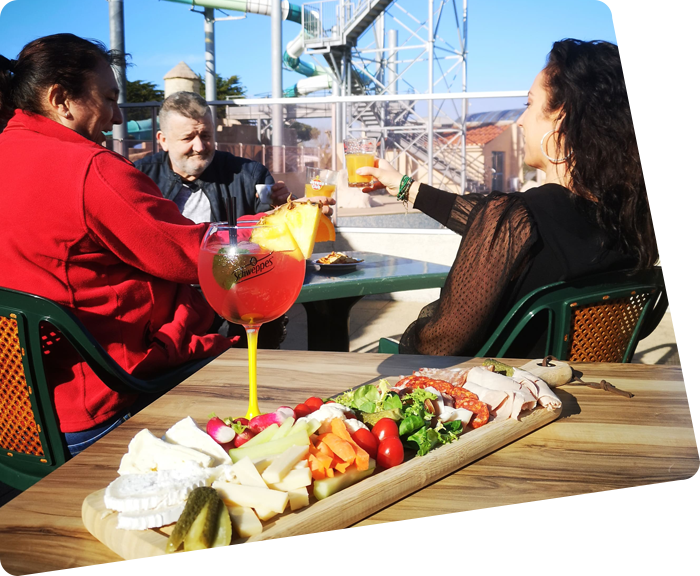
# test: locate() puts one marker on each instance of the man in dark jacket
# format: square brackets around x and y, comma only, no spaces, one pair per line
[200,179]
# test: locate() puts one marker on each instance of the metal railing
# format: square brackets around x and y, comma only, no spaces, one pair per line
[455,166]
[321,22]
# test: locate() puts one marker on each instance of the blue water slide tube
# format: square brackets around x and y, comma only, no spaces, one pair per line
[317,77]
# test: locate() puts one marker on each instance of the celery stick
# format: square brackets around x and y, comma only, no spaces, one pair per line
[329,486]
[263,436]
[284,428]
[270,448]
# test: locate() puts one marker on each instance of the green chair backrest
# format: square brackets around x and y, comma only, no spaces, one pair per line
[31,443]
[599,318]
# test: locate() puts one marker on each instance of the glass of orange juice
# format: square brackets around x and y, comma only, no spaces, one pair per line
[359,152]
[320,182]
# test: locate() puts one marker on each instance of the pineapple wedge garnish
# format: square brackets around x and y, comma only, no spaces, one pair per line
[291,228]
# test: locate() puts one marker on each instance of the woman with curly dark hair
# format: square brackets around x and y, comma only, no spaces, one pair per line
[590,216]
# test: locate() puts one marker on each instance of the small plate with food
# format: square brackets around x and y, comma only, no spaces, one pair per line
[338,261]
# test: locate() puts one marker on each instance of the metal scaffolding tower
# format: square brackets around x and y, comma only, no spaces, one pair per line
[398,47]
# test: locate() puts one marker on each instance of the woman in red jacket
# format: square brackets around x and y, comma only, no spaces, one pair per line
[84,228]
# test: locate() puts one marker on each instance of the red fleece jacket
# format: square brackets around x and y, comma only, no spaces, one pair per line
[86,229]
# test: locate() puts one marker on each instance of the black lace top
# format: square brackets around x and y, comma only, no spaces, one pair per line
[511,244]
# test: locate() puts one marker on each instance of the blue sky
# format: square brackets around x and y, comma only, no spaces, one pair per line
[507,39]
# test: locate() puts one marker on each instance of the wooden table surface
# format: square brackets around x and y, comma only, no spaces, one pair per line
[601,442]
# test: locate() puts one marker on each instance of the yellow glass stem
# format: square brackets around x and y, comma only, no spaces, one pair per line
[252,333]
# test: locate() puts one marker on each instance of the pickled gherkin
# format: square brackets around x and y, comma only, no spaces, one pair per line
[224,531]
[499,367]
[204,522]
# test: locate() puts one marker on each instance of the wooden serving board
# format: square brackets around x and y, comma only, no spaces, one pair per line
[343,508]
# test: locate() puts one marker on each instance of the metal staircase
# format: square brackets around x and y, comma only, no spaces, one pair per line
[332,24]
[447,157]
[332,29]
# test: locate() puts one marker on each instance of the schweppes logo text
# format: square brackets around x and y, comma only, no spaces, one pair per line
[252,268]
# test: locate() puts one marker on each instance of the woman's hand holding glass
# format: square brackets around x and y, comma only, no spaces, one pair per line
[385,176]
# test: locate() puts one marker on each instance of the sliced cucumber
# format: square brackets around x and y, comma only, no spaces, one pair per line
[284,429]
[264,436]
[329,486]
[270,448]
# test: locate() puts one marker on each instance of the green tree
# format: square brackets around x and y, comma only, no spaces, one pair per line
[225,87]
[140,91]
[304,131]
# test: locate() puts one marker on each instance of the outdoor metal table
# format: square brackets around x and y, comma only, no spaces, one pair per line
[329,295]
[601,441]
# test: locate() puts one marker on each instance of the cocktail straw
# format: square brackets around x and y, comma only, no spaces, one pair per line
[231,214]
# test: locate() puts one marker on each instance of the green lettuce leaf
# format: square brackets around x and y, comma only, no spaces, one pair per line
[425,439]
[410,424]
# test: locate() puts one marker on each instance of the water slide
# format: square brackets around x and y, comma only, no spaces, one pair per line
[317,77]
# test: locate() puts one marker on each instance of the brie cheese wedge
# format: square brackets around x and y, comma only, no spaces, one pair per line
[147,454]
[152,490]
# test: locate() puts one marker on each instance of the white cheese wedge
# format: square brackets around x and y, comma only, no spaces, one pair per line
[147,454]
[325,414]
[261,464]
[295,479]
[265,514]
[187,433]
[449,414]
[353,425]
[247,474]
[301,464]
[164,488]
[251,496]
[245,521]
[225,472]
[149,518]
[284,463]
[298,498]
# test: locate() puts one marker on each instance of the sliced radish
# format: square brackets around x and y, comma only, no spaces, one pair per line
[219,431]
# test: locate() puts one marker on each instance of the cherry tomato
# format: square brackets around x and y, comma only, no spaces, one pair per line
[385,428]
[302,410]
[390,452]
[314,403]
[367,441]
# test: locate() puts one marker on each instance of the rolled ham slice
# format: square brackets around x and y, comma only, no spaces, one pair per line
[538,387]
[517,398]
[492,398]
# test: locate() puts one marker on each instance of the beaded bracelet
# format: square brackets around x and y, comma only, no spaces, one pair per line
[404,187]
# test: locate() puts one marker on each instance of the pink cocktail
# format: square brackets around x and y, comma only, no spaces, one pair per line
[247,284]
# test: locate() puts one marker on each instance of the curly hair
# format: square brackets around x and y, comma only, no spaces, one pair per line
[586,86]
[63,59]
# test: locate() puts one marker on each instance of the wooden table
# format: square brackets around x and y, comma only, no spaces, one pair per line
[328,295]
[601,442]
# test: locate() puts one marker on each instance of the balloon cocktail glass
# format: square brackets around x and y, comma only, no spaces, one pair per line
[248,284]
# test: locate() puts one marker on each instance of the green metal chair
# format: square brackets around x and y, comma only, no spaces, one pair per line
[599,318]
[31,443]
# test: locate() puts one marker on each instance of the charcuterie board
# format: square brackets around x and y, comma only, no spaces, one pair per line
[344,508]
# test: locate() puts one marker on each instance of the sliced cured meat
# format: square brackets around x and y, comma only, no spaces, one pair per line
[454,376]
[538,387]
